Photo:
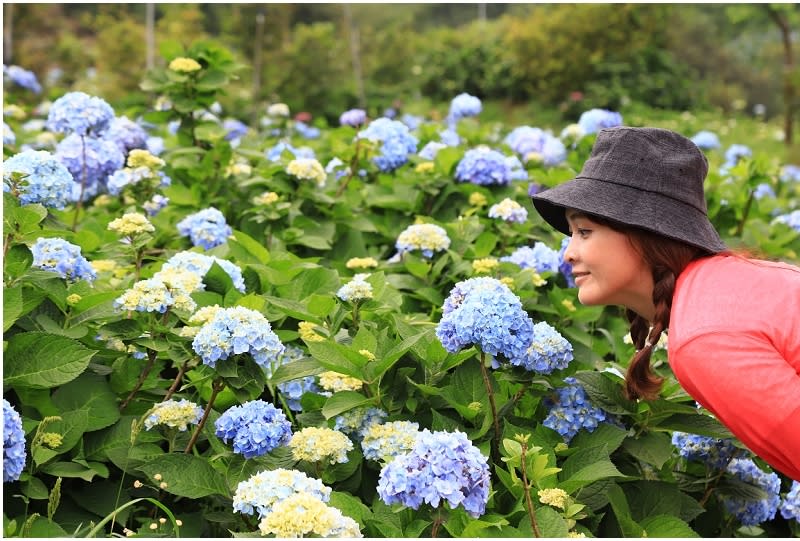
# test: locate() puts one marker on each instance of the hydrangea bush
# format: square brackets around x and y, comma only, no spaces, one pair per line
[206,326]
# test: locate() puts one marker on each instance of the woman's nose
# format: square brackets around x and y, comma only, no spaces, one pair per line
[570,254]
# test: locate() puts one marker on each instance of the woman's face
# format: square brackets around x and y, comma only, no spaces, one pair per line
[606,267]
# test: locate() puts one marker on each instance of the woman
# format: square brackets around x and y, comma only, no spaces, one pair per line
[641,238]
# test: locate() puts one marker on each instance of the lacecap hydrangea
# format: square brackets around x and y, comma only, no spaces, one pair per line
[264,489]
[747,511]
[571,411]
[255,427]
[715,452]
[80,114]
[396,140]
[174,414]
[540,257]
[484,312]
[206,228]
[442,466]
[427,238]
[527,141]
[485,167]
[549,351]
[235,331]
[62,257]
[200,264]
[594,120]
[13,443]
[41,178]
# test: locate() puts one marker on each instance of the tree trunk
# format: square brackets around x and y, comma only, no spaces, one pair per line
[8,18]
[355,54]
[150,35]
[788,73]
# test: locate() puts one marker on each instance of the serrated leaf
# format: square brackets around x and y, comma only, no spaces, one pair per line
[187,475]
[344,401]
[40,360]
[666,526]
[651,447]
[93,395]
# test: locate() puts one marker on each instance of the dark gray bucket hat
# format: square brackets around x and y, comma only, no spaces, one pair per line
[650,178]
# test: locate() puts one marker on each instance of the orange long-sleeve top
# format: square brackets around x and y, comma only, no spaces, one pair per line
[734,346]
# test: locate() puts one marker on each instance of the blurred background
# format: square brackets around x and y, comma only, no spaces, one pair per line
[546,61]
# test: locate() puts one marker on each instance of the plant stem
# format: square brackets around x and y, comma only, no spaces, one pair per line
[151,359]
[176,382]
[528,499]
[83,184]
[353,164]
[216,388]
[437,522]
[495,420]
[740,227]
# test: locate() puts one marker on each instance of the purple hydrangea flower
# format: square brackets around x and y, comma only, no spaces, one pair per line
[45,180]
[98,158]
[127,134]
[594,120]
[353,117]
[790,173]
[206,228]
[234,129]
[13,443]
[256,428]
[527,141]
[80,114]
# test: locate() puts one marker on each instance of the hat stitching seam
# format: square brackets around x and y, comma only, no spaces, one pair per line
[705,212]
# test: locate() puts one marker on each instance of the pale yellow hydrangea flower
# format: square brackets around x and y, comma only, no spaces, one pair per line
[553,496]
[237,168]
[534,157]
[361,262]
[477,199]
[184,65]
[204,314]
[175,278]
[142,158]
[576,535]
[485,265]
[308,169]
[102,200]
[73,299]
[303,515]
[266,198]
[569,305]
[46,138]
[367,353]
[508,281]
[103,265]
[278,109]
[131,224]
[335,382]
[306,330]
[537,279]
[424,167]
[320,444]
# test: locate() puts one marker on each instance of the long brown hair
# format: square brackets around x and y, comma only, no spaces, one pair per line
[666,258]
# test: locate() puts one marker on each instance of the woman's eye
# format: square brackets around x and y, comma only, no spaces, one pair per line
[584,232]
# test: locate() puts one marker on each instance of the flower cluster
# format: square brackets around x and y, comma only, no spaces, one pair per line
[335,382]
[571,410]
[594,120]
[13,443]
[356,290]
[397,142]
[509,210]
[464,105]
[427,238]
[206,228]
[155,204]
[706,140]
[557,497]
[320,444]
[234,129]
[264,489]
[790,173]
[157,295]
[131,224]
[307,332]
[485,166]
[485,265]
[266,198]
[308,169]
[175,414]
[564,266]
[541,258]
[442,466]
[274,153]
[22,77]
[752,512]
[9,138]
[361,263]
[96,158]
[235,331]
[302,515]
[278,109]
[58,255]
[383,442]
[356,422]
[485,312]
[142,172]
[734,155]
[430,150]
[38,177]
[790,505]
[353,117]
[715,452]
[791,219]
[200,264]
[184,65]
[548,351]
[293,390]
[256,428]
[127,134]
[79,114]
[535,144]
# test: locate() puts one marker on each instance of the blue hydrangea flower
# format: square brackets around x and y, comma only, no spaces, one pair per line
[763,190]
[127,134]
[464,105]
[274,153]
[256,428]
[293,390]
[450,137]
[706,140]
[155,145]
[715,452]
[427,238]
[22,77]
[261,491]
[397,142]
[430,150]
[510,211]
[45,181]
[734,155]
[80,114]
[792,219]
[564,267]
[155,204]
[790,173]
[541,258]
[356,422]
[484,166]
[441,467]
[790,505]
[9,138]
[753,512]
[206,228]
[234,129]
[549,351]
[571,411]
[99,157]
[200,264]
[383,442]
[309,132]
[536,144]
[594,120]
[353,117]
[13,443]
[485,312]
[62,257]
[235,331]
[413,122]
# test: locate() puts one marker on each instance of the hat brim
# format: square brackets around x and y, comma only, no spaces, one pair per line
[628,206]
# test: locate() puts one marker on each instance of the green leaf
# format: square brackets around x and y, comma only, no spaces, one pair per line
[217,280]
[350,506]
[72,426]
[619,504]
[73,469]
[187,475]
[550,522]
[651,447]
[338,358]
[703,425]
[666,526]
[209,131]
[41,360]
[295,370]
[246,249]
[585,467]
[605,434]
[43,527]
[17,260]
[651,498]
[604,393]
[92,394]
[344,401]
[34,488]
[12,306]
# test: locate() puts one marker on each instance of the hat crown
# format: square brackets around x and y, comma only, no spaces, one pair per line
[649,159]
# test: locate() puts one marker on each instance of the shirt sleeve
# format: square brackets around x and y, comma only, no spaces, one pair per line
[751,388]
